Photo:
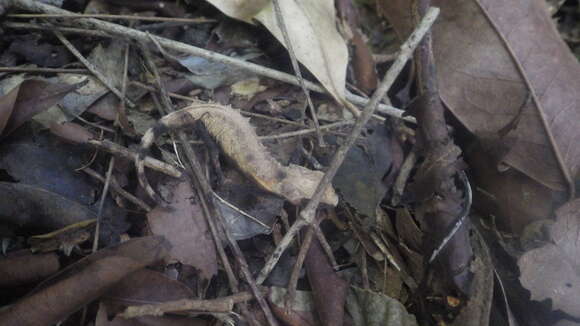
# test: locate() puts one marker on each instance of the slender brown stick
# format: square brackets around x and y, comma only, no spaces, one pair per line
[102,203]
[308,213]
[118,189]
[293,282]
[282,25]
[120,17]
[90,66]
[150,162]
[45,27]
[44,70]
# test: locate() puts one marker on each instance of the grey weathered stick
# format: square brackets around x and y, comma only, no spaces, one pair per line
[150,162]
[102,78]
[308,213]
[126,32]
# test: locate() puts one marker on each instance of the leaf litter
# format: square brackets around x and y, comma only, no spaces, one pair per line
[362,259]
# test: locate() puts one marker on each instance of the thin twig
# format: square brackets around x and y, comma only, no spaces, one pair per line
[402,177]
[241,212]
[44,27]
[307,131]
[90,67]
[102,203]
[120,17]
[118,189]
[149,161]
[296,67]
[44,70]
[293,282]
[325,245]
[308,213]
[126,32]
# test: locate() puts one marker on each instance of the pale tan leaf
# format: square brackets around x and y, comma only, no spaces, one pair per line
[311,27]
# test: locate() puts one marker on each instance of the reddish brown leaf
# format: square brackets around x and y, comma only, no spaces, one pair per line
[83,282]
[27,99]
[490,55]
[183,223]
[329,290]
[23,267]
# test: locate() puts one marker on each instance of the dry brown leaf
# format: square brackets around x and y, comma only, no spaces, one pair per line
[312,30]
[83,282]
[23,267]
[27,99]
[489,54]
[184,225]
[552,271]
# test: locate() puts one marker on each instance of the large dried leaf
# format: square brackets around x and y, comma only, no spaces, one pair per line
[312,30]
[183,223]
[553,271]
[490,55]
[27,99]
[84,281]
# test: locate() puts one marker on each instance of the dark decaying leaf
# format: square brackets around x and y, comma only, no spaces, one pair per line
[40,53]
[360,178]
[329,290]
[183,224]
[490,55]
[32,207]
[32,96]
[23,267]
[83,282]
[552,271]
[259,205]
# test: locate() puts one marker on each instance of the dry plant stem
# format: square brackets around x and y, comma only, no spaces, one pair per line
[364,269]
[325,246]
[293,282]
[288,41]
[241,212]
[42,27]
[122,151]
[307,131]
[90,67]
[120,17]
[401,181]
[45,70]
[115,187]
[204,193]
[126,32]
[170,94]
[102,203]
[223,305]
[122,119]
[307,215]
